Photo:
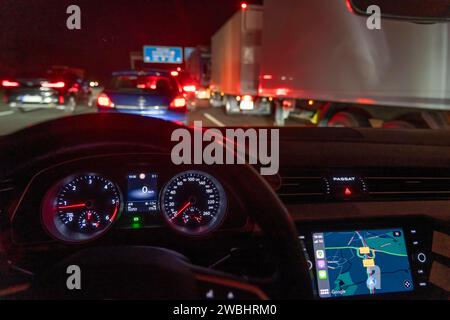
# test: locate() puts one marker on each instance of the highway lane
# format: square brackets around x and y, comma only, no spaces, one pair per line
[216,117]
[13,120]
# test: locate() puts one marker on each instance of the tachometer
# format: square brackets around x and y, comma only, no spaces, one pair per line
[194,203]
[81,208]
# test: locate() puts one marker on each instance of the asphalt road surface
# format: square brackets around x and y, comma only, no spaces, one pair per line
[12,120]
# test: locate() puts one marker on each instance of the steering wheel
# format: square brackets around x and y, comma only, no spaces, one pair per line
[150,272]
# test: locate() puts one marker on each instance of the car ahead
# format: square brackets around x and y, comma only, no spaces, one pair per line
[54,90]
[152,93]
[188,85]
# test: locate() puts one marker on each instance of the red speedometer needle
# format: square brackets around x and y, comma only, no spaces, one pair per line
[79,205]
[181,210]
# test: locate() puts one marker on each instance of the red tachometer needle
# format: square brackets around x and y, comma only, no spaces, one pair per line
[114,213]
[79,205]
[181,210]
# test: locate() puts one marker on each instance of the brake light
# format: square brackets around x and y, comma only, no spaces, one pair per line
[178,102]
[287,104]
[189,88]
[174,73]
[10,84]
[365,101]
[104,101]
[58,85]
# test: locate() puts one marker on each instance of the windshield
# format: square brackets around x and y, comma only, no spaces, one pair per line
[258,63]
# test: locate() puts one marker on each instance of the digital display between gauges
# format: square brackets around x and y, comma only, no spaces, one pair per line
[142,195]
[193,203]
[81,207]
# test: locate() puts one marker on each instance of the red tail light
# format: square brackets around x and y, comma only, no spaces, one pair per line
[57,85]
[189,88]
[75,88]
[281,92]
[10,84]
[104,101]
[178,103]
[174,73]
[287,104]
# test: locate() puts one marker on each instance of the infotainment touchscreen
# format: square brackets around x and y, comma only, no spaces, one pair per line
[142,195]
[361,262]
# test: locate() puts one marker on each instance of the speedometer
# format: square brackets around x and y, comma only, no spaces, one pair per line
[194,203]
[80,208]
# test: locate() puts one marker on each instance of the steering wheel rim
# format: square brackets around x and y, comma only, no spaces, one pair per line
[266,208]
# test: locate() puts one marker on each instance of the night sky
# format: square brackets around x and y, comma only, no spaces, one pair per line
[33,33]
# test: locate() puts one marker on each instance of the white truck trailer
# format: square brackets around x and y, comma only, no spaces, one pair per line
[235,63]
[318,61]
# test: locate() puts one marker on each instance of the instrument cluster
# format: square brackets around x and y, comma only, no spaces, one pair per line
[83,207]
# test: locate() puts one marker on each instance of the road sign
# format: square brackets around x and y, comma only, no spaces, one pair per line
[158,54]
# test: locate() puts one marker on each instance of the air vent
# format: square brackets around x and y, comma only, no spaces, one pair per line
[408,188]
[297,189]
